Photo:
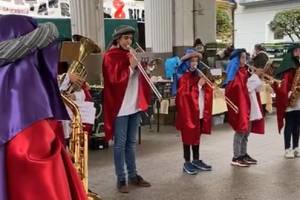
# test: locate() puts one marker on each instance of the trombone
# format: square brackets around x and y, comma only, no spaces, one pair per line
[144,73]
[214,86]
[265,76]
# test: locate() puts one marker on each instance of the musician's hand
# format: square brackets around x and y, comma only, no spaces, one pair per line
[132,61]
[201,81]
[76,79]
[71,96]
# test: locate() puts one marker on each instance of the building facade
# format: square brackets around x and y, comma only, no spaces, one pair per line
[252,19]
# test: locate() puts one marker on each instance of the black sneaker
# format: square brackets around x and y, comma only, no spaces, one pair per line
[189,168]
[239,162]
[199,164]
[249,160]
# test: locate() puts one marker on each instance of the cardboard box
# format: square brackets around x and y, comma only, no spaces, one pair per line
[69,51]
[168,119]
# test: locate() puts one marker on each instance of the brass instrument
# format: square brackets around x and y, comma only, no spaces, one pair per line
[219,79]
[78,147]
[266,77]
[295,89]
[214,86]
[87,47]
[151,63]
[144,73]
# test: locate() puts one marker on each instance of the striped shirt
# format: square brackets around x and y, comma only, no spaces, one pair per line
[41,37]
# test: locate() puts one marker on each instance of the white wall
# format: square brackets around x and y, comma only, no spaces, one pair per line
[206,21]
[251,24]
[22,7]
[159,25]
[128,4]
[183,24]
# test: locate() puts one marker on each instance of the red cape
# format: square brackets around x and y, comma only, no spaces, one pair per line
[86,90]
[237,91]
[187,118]
[116,75]
[38,167]
[282,99]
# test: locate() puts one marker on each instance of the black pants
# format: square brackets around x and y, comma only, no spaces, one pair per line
[291,130]
[187,152]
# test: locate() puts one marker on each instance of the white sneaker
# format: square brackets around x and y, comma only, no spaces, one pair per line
[297,152]
[289,154]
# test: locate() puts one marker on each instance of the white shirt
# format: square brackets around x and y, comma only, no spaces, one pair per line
[64,85]
[129,104]
[254,85]
[86,109]
[201,102]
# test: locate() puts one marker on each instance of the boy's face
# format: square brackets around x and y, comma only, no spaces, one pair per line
[194,62]
[243,59]
[125,41]
[296,52]
[195,59]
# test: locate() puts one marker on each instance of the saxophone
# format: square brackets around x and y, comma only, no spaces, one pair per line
[78,147]
[295,89]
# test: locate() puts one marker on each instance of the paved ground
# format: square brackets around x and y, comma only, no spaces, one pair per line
[160,162]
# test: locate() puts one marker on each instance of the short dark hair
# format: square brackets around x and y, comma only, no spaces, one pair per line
[115,41]
[198,41]
[259,47]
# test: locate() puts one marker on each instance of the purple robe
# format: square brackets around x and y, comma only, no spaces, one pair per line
[28,87]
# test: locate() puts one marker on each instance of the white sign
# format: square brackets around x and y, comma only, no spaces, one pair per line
[125,9]
[36,8]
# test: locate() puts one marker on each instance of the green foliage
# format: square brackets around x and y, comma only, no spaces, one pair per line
[287,23]
[224,26]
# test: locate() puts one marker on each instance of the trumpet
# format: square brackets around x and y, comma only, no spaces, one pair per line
[144,73]
[214,86]
[266,77]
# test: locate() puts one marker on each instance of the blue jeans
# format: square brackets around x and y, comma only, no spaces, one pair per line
[125,131]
